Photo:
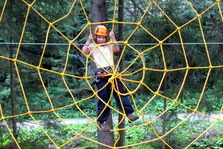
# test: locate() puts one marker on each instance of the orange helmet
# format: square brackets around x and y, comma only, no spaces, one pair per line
[101,30]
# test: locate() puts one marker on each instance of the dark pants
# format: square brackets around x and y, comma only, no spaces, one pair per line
[105,94]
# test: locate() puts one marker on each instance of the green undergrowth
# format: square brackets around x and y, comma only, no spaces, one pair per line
[138,135]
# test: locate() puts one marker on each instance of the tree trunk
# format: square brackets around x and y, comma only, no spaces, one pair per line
[98,14]
[164,116]
[106,138]
[98,11]
[12,86]
[120,19]
[121,141]
[164,123]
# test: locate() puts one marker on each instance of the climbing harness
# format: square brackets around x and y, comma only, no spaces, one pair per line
[102,73]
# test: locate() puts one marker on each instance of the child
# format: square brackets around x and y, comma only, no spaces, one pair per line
[103,57]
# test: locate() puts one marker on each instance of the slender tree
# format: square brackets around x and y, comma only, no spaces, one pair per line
[12,86]
[121,141]
[98,14]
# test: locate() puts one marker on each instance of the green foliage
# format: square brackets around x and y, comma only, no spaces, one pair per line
[156,23]
[54,58]
[208,144]
[5,139]
[213,139]
[135,135]
[59,133]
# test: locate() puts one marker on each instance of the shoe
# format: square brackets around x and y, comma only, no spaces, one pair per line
[132,118]
[104,126]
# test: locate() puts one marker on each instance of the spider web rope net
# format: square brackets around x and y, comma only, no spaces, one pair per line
[126,76]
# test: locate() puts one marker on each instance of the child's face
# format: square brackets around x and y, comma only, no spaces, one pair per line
[101,39]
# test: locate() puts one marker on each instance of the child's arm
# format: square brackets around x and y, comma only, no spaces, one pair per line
[115,47]
[85,48]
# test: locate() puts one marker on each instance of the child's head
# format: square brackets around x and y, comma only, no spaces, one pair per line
[101,34]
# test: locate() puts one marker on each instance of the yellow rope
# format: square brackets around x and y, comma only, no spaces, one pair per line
[3,10]
[124,76]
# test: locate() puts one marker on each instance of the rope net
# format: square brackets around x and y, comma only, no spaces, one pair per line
[138,66]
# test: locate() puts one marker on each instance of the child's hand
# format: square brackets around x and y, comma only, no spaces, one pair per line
[112,34]
[90,37]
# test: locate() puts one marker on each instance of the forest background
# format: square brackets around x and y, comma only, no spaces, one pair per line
[11,98]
